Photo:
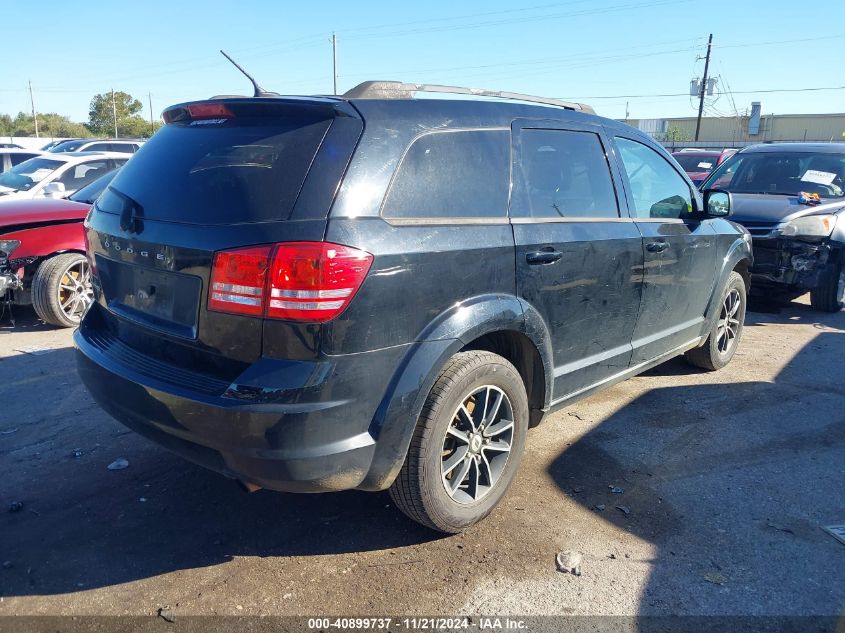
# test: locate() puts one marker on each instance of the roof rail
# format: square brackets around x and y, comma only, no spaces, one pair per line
[401,90]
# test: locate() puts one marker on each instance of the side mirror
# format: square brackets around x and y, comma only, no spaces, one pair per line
[717,203]
[53,190]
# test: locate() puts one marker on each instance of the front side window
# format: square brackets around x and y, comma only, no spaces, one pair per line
[455,174]
[658,190]
[80,175]
[566,174]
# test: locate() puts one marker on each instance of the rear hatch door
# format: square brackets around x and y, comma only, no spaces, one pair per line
[219,175]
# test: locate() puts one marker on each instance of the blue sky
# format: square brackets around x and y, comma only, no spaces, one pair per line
[575,49]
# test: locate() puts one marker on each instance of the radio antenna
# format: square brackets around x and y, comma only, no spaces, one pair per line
[259,91]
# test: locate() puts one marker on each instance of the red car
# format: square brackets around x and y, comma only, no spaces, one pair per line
[699,163]
[42,254]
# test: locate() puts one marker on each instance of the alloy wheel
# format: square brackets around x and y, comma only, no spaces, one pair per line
[477,444]
[75,291]
[727,327]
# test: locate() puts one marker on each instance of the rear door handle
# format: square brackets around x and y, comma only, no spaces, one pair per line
[543,257]
[657,247]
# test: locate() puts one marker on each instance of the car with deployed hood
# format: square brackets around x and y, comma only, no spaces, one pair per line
[56,175]
[42,254]
[791,198]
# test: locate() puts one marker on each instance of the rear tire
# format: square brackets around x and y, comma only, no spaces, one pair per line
[463,432]
[829,295]
[61,289]
[721,344]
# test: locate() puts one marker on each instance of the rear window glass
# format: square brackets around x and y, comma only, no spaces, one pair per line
[567,175]
[693,162]
[242,171]
[460,174]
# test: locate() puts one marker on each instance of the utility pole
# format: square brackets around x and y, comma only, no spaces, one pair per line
[152,125]
[114,112]
[627,113]
[334,63]
[34,113]
[703,87]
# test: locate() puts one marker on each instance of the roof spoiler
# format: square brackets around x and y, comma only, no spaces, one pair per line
[401,90]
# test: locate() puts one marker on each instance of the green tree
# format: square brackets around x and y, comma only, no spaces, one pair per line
[50,124]
[101,115]
[676,134]
[5,125]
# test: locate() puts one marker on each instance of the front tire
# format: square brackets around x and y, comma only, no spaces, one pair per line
[61,289]
[467,444]
[721,344]
[829,295]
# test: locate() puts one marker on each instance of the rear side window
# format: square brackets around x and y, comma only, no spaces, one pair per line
[567,175]
[658,190]
[455,174]
[246,170]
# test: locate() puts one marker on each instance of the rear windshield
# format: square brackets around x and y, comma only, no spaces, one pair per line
[239,171]
[693,162]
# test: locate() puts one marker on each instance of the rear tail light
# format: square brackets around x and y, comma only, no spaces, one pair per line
[295,281]
[197,111]
[238,280]
[209,111]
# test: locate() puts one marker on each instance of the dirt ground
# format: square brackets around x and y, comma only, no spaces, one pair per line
[727,480]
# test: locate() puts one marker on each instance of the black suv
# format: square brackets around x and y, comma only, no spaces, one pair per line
[375,291]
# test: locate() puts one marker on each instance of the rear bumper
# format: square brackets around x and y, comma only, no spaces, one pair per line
[313,436]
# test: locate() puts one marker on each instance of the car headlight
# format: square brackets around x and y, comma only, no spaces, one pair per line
[7,246]
[810,226]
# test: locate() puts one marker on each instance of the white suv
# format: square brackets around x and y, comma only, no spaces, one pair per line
[57,175]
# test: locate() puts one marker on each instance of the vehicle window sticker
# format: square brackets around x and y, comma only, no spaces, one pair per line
[818,177]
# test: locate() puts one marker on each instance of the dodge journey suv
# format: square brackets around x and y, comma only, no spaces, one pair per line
[381,292]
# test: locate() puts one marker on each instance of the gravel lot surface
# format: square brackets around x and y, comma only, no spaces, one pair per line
[726,480]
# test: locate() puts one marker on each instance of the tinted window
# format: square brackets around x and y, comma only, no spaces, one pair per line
[89,193]
[693,162]
[99,147]
[785,173]
[80,175]
[68,146]
[658,190]
[17,159]
[453,174]
[126,148]
[567,175]
[247,170]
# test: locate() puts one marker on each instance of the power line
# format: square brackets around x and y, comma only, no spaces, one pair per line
[684,94]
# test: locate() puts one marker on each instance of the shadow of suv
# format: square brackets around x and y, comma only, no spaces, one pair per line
[375,291]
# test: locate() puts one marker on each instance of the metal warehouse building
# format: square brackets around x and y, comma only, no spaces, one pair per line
[744,130]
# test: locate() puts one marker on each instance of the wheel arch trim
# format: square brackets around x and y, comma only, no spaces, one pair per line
[396,417]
